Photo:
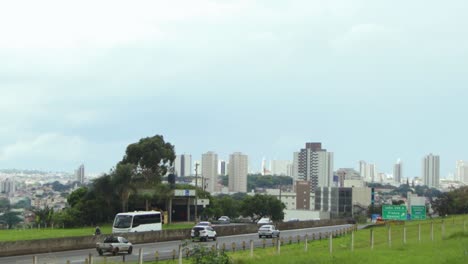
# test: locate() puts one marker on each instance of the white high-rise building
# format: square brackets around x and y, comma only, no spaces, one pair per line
[8,186]
[316,165]
[280,167]
[462,171]
[80,174]
[183,165]
[210,171]
[431,170]
[368,171]
[238,168]
[295,166]
[397,170]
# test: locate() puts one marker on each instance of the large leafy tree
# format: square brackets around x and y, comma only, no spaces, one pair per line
[453,202]
[152,157]
[259,206]
[10,218]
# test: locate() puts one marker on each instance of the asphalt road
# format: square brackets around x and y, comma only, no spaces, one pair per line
[165,250]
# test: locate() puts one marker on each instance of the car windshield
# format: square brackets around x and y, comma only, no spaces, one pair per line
[123,221]
[265,228]
[198,228]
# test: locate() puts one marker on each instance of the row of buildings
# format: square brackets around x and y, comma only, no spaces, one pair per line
[312,163]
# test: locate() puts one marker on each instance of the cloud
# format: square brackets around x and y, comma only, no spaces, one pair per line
[364,39]
[49,146]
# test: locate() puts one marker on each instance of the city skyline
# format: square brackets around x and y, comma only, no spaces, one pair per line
[268,75]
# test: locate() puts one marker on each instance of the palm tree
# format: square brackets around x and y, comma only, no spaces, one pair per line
[122,179]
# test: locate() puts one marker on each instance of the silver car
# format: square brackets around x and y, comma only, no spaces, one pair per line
[268,231]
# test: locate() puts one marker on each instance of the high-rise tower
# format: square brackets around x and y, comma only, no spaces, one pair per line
[431,170]
[238,168]
[397,170]
[210,171]
[315,165]
[183,165]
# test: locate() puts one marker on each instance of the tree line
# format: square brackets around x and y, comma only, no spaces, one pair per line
[135,183]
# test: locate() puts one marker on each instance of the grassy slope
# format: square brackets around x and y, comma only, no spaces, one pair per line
[451,249]
[31,234]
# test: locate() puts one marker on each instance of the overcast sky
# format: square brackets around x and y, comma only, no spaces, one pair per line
[371,80]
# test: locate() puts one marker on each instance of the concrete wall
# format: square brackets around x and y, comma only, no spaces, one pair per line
[86,242]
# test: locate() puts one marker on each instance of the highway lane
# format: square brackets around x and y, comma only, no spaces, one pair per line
[165,249]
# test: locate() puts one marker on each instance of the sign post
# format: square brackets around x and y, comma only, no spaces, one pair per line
[394,212]
[418,212]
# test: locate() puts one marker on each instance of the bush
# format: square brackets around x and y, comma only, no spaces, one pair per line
[203,255]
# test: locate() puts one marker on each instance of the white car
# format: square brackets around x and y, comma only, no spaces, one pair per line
[264,221]
[224,220]
[268,231]
[204,223]
[203,233]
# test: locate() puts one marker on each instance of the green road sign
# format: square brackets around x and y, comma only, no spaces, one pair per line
[418,212]
[394,212]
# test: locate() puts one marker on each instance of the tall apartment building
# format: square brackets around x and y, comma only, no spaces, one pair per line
[210,171]
[315,165]
[431,170]
[368,171]
[80,174]
[238,169]
[295,166]
[183,165]
[280,167]
[8,186]
[397,170]
[462,171]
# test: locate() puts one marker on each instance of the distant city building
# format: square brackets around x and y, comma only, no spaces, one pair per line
[80,174]
[341,201]
[431,170]
[337,201]
[295,166]
[210,171]
[280,167]
[265,170]
[316,165]
[462,171]
[222,168]
[8,186]
[368,171]
[303,195]
[397,172]
[238,169]
[346,174]
[183,165]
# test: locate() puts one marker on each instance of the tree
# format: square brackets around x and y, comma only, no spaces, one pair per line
[152,157]
[44,216]
[123,182]
[10,218]
[259,206]
[453,202]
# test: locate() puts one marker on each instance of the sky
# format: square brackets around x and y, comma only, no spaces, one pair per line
[372,80]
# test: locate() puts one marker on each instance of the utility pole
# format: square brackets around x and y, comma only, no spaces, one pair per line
[196,187]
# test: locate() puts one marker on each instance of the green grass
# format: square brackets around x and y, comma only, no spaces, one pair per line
[32,234]
[449,247]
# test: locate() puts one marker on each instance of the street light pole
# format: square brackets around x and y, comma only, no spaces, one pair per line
[196,187]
